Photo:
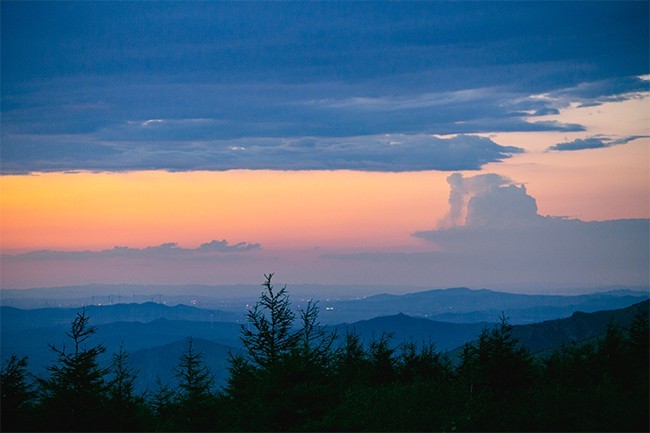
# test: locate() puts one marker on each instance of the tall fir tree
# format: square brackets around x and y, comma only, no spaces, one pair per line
[194,397]
[74,396]
[122,398]
[18,395]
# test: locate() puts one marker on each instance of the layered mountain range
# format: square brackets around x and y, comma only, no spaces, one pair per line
[155,335]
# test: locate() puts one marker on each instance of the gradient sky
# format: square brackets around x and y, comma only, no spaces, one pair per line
[492,144]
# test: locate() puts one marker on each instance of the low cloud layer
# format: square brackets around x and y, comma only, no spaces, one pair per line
[167,250]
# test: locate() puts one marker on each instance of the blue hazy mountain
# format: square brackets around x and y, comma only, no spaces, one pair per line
[158,362]
[133,335]
[338,303]
[403,328]
[18,318]
[540,338]
[580,326]
[462,305]
[155,346]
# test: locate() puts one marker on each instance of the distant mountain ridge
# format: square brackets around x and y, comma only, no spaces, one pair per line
[463,305]
[236,297]
[15,318]
[580,326]
[156,345]
[208,296]
[403,328]
[158,362]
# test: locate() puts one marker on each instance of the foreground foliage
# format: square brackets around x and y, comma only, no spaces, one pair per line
[295,376]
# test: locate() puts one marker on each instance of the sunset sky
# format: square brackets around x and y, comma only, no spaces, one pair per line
[503,145]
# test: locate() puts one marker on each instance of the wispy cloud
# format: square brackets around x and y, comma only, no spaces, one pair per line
[596,142]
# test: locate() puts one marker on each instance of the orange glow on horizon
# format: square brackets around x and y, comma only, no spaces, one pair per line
[279,209]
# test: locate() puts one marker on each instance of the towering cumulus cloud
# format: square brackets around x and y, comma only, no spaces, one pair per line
[462,189]
[502,206]
[494,229]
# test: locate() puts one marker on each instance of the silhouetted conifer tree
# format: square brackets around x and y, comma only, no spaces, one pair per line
[496,373]
[162,402]
[382,360]
[194,396]
[17,395]
[638,340]
[283,380]
[425,364]
[269,334]
[122,398]
[73,398]
[351,362]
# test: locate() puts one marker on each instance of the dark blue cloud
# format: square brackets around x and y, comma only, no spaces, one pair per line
[79,80]
[316,40]
[597,142]
[595,93]
[388,152]
[580,144]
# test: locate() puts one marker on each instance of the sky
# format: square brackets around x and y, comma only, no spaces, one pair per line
[500,145]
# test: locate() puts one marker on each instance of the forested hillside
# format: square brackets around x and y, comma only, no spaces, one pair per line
[295,375]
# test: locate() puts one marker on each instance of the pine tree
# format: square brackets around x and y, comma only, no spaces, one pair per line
[195,388]
[270,334]
[17,395]
[122,398]
[496,373]
[638,341]
[162,403]
[425,364]
[351,361]
[314,342]
[73,398]
[382,359]
[283,380]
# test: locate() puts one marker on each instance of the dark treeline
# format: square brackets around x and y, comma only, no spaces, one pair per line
[295,376]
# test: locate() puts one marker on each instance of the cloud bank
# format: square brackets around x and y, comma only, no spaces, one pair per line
[396,152]
[173,89]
